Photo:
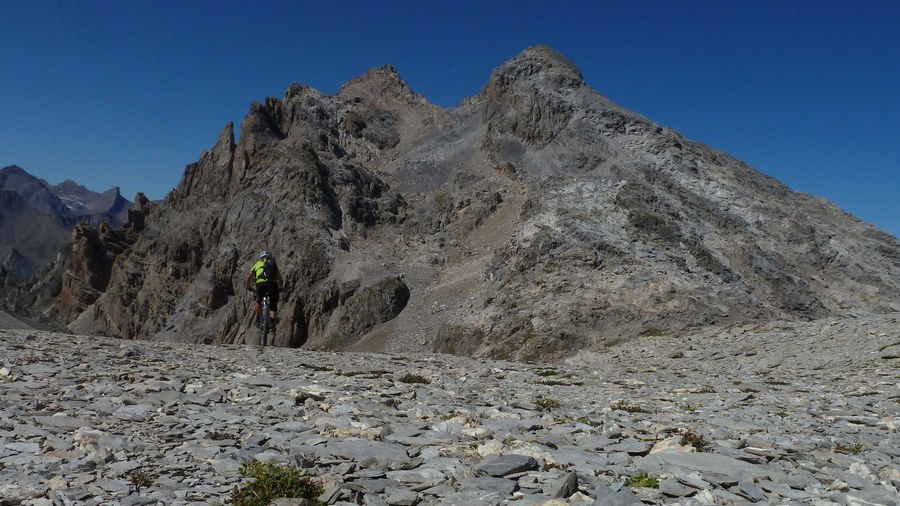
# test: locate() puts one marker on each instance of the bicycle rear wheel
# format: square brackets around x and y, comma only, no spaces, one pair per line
[265,321]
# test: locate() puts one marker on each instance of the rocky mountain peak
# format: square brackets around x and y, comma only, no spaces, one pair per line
[225,142]
[13,169]
[211,176]
[380,85]
[533,221]
[538,64]
[531,99]
[70,187]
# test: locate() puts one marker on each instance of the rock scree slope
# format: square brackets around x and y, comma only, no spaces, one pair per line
[535,219]
[772,413]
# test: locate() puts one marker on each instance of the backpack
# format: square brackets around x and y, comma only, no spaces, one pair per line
[269,270]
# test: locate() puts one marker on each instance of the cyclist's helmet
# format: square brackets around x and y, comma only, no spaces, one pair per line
[264,253]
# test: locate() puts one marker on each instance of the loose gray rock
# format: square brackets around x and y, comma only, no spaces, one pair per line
[823,430]
[506,465]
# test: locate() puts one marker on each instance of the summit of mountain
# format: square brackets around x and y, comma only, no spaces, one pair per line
[83,202]
[535,219]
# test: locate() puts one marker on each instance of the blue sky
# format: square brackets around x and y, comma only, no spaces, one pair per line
[127,93]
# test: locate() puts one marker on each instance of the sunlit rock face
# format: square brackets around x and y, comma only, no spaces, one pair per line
[531,221]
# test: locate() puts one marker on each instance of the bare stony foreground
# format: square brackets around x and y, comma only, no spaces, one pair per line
[784,413]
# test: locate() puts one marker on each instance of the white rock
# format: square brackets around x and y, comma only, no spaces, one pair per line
[671,444]
[492,447]
[862,470]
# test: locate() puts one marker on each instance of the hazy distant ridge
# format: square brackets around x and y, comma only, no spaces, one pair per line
[38,218]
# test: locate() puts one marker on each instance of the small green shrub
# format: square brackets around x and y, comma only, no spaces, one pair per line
[643,480]
[273,481]
[140,479]
[547,372]
[415,378]
[689,438]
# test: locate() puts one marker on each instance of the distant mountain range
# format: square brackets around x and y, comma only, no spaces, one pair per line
[37,218]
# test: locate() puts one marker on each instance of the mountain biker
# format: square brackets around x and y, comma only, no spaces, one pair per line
[266,278]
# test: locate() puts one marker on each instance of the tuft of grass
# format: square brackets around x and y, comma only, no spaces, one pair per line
[553,383]
[854,449]
[629,408]
[652,332]
[690,438]
[301,398]
[643,480]
[415,379]
[315,367]
[376,373]
[547,372]
[547,403]
[140,479]
[273,481]
[220,436]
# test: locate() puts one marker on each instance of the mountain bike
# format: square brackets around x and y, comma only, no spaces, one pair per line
[266,324]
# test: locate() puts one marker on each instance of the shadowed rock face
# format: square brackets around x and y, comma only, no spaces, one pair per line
[534,219]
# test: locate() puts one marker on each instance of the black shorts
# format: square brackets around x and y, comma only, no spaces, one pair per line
[268,288]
